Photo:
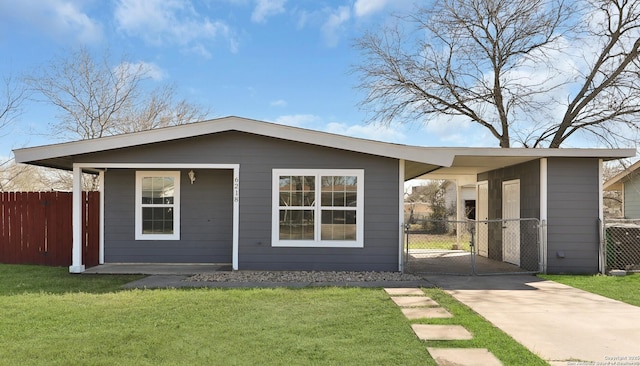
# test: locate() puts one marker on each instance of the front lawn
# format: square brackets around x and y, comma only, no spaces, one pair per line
[50,317]
[625,289]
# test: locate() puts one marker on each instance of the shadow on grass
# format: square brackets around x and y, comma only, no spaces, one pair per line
[19,279]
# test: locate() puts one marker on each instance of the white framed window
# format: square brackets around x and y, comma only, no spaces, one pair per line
[157,205]
[318,208]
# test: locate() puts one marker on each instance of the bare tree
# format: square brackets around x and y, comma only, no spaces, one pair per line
[97,98]
[482,61]
[10,106]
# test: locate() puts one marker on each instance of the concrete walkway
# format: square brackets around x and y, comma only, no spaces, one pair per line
[559,323]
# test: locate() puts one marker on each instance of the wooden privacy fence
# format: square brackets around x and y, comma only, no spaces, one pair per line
[36,228]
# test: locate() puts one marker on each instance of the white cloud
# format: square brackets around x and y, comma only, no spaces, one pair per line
[278,103]
[62,19]
[372,132]
[267,8]
[298,120]
[367,7]
[332,28]
[161,22]
[150,69]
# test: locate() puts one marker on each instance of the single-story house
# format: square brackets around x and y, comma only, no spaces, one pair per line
[264,196]
[628,183]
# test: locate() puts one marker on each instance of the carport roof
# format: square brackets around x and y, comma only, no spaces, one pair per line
[441,162]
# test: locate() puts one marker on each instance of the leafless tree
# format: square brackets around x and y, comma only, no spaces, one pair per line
[11,105]
[97,98]
[508,66]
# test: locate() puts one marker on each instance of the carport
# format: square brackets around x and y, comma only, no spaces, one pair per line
[537,210]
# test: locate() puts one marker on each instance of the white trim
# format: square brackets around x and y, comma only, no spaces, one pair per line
[156,166]
[236,216]
[317,242]
[236,204]
[602,262]
[101,223]
[61,155]
[437,156]
[544,201]
[76,251]
[623,207]
[401,215]
[140,174]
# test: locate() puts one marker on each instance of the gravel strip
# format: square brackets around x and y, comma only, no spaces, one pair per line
[302,276]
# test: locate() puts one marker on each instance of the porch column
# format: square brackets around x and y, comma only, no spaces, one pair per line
[401,172]
[76,254]
[236,216]
[543,214]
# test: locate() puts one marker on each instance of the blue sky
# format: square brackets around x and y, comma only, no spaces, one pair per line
[284,61]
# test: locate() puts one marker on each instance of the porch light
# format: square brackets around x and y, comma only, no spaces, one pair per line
[192,176]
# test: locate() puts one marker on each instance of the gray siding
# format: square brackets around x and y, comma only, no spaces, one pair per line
[573,215]
[529,175]
[206,222]
[257,156]
[632,198]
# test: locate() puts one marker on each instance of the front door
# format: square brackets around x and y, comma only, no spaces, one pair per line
[511,225]
[482,214]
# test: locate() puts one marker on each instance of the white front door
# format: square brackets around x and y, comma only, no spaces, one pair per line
[482,214]
[511,225]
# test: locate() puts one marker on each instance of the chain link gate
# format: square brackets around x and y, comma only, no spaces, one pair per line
[471,247]
[621,245]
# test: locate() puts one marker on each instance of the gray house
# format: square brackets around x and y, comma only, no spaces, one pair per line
[270,197]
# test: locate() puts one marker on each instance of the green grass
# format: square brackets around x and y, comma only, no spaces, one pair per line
[485,335]
[625,289]
[50,317]
[20,279]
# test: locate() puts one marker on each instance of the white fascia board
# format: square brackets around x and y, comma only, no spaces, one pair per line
[441,156]
[414,153]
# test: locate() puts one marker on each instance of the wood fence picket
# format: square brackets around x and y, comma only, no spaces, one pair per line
[36,228]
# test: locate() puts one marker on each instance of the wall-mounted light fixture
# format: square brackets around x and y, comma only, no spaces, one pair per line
[192,176]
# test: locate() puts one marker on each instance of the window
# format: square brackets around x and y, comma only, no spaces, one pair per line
[157,205]
[318,208]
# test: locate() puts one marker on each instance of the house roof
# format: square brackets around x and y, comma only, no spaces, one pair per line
[615,183]
[439,161]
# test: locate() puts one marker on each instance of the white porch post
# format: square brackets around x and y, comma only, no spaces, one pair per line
[76,257]
[401,215]
[101,245]
[543,214]
[236,216]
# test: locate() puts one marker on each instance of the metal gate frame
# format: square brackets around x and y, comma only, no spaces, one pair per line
[451,247]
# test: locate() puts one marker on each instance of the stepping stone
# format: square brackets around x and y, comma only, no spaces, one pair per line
[404,291]
[413,301]
[421,313]
[430,332]
[463,357]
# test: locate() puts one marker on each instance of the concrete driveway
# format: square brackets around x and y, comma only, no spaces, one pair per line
[559,323]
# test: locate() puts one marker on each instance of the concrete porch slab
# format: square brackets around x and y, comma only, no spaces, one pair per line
[430,332]
[426,313]
[464,357]
[413,301]
[181,269]
[404,291]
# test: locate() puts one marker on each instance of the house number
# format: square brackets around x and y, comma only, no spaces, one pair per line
[236,189]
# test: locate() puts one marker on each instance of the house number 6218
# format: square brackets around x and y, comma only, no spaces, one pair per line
[236,189]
